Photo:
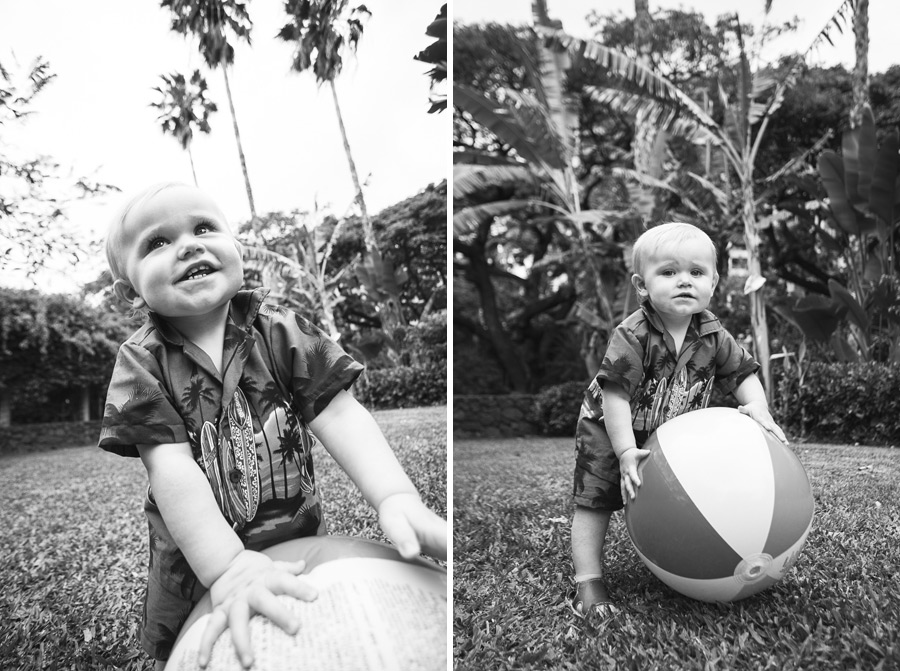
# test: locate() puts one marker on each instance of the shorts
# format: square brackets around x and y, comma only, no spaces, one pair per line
[597,477]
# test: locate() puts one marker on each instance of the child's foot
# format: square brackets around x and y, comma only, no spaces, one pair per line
[592,600]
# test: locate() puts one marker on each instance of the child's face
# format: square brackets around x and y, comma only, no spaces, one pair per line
[679,279]
[180,257]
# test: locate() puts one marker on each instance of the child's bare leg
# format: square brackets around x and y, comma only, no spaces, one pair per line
[589,527]
[159,666]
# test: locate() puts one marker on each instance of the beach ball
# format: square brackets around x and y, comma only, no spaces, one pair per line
[723,509]
[375,611]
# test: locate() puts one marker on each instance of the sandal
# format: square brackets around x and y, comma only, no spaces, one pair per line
[592,592]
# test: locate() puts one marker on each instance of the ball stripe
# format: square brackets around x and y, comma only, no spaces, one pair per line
[679,530]
[739,509]
[795,502]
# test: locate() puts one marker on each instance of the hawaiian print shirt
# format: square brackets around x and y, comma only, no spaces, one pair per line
[661,382]
[247,427]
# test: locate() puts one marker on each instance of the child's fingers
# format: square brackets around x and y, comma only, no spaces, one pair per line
[779,434]
[401,533]
[290,585]
[294,567]
[215,627]
[266,603]
[239,623]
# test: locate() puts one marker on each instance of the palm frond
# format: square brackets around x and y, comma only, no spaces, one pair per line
[632,74]
[469,219]
[472,179]
[662,116]
[527,134]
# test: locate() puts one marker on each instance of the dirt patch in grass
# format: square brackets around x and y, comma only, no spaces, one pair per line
[73,561]
[837,609]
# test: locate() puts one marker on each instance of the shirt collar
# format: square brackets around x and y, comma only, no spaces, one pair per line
[244,307]
[704,323]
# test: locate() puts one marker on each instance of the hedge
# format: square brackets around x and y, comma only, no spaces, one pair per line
[843,403]
[403,387]
[837,403]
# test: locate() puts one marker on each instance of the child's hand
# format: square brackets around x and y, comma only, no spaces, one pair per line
[250,585]
[759,411]
[412,527]
[628,466]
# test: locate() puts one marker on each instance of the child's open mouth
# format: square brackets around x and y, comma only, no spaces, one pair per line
[197,272]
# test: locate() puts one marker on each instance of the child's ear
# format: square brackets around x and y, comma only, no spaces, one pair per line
[639,285]
[126,293]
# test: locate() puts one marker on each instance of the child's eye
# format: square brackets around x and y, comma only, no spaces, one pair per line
[696,272]
[155,243]
[204,228]
[668,273]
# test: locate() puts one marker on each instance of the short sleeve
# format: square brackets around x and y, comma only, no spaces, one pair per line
[139,409]
[318,367]
[623,363]
[733,363]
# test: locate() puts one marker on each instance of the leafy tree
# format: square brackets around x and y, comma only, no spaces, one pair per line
[35,191]
[323,32]
[436,55]
[216,24]
[309,261]
[184,106]
[50,343]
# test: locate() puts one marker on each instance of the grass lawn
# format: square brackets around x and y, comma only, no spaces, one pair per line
[74,554]
[839,608]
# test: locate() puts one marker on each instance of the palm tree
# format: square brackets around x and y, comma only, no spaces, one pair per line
[184,106]
[323,30]
[211,21]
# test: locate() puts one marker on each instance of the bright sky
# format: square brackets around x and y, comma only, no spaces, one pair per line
[108,56]
[884,18]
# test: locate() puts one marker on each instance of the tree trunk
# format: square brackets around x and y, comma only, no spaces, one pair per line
[388,311]
[503,345]
[5,409]
[240,146]
[84,396]
[861,69]
[193,169]
[757,296]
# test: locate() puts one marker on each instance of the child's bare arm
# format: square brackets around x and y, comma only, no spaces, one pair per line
[617,418]
[189,509]
[752,398]
[240,581]
[353,438]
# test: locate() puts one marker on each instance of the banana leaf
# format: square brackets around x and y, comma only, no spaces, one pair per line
[882,192]
[855,311]
[817,317]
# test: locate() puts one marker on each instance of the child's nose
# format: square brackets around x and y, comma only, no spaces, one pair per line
[189,246]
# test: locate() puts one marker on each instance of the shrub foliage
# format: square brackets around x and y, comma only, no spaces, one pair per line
[842,402]
[403,386]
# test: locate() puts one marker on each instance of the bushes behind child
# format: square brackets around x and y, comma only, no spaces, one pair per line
[837,403]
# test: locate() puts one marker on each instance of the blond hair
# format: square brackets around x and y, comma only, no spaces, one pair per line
[654,239]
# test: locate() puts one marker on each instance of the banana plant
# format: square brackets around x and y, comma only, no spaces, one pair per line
[638,89]
[301,277]
[863,187]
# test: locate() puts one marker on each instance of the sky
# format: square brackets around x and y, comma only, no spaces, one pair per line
[884,18]
[96,119]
